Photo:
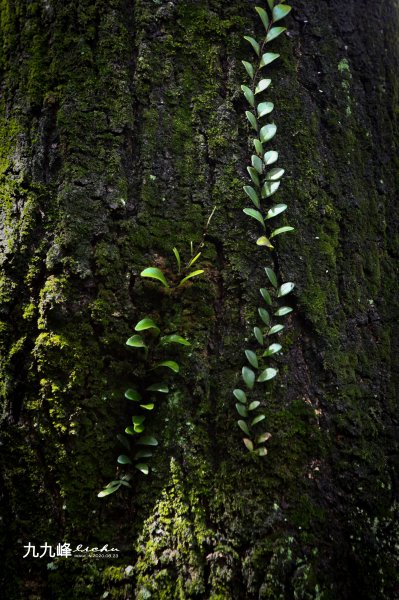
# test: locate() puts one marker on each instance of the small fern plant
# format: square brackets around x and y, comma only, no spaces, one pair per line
[265,182]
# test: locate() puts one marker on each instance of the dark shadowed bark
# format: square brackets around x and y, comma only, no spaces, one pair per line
[121,126]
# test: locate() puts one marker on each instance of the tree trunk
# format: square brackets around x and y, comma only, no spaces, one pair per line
[122,124]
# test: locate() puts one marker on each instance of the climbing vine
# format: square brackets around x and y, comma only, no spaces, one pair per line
[154,346]
[145,394]
[264,184]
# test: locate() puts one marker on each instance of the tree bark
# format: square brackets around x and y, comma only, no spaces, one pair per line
[122,124]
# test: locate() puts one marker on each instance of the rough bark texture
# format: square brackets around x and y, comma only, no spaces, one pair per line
[121,126]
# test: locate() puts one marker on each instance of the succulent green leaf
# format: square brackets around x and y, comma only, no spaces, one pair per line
[271,275]
[253,405]
[178,260]
[162,388]
[253,43]
[240,395]
[169,364]
[262,451]
[268,58]
[285,289]
[275,174]
[264,108]
[263,15]
[115,482]
[258,419]
[249,377]
[274,32]
[124,460]
[254,175]
[281,230]
[190,275]
[263,438]
[147,440]
[282,311]
[249,95]
[109,490]
[252,119]
[138,419]
[275,210]
[272,349]
[255,214]
[264,315]
[270,157]
[252,358]
[146,324]
[132,394]
[243,426]
[136,341]
[267,132]
[264,241]
[266,296]
[269,188]
[124,481]
[258,146]
[143,454]
[259,336]
[130,430]
[280,11]
[267,374]
[174,339]
[275,329]
[249,68]
[139,428]
[248,444]
[262,85]
[143,467]
[147,406]
[241,409]
[251,193]
[257,163]
[155,273]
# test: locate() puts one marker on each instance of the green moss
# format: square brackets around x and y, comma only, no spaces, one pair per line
[9,131]
[177,553]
